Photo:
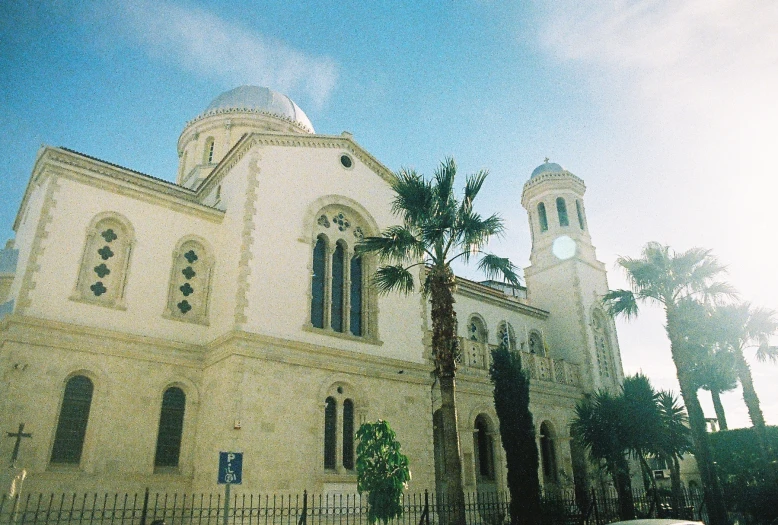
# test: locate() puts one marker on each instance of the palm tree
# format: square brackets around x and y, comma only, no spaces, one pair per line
[675,441]
[642,422]
[437,229]
[599,427]
[673,281]
[743,326]
[716,375]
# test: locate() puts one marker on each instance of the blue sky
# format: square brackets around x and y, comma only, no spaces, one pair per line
[666,109]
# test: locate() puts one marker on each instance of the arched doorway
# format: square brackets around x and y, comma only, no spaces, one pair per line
[548,457]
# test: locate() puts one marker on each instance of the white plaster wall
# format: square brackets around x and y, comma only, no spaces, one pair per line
[157,231]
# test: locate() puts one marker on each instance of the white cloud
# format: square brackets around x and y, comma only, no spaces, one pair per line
[213,47]
[689,54]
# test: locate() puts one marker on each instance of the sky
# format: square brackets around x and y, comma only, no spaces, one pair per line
[667,110]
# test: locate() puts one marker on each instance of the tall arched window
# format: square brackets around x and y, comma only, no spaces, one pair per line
[171,428]
[338,279]
[579,211]
[103,273]
[339,439]
[484,448]
[536,344]
[348,434]
[330,433]
[208,151]
[341,300]
[601,343]
[355,314]
[317,282]
[561,209]
[548,454]
[506,336]
[542,217]
[73,419]
[190,280]
[476,329]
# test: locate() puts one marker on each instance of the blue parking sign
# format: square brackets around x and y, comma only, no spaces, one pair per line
[230,468]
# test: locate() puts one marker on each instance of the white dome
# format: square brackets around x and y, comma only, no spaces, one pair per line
[547,167]
[260,100]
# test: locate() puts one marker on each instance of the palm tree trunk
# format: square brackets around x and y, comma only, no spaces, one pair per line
[717,512]
[445,350]
[754,410]
[675,487]
[624,488]
[719,408]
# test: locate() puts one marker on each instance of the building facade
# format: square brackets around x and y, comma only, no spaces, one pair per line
[148,325]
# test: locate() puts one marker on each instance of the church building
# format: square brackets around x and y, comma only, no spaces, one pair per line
[147,325]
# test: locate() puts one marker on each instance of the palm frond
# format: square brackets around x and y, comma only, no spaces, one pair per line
[472,187]
[444,186]
[395,244]
[765,352]
[393,278]
[413,196]
[620,302]
[498,267]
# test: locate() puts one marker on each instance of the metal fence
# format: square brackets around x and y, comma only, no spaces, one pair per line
[491,508]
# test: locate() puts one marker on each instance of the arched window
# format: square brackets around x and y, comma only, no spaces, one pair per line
[317,282]
[339,439]
[338,278]
[190,280]
[484,448]
[476,330]
[542,217]
[340,297]
[330,433]
[548,454]
[536,344]
[355,313]
[579,211]
[208,151]
[561,209]
[171,428]
[73,419]
[506,336]
[348,434]
[103,273]
[602,343]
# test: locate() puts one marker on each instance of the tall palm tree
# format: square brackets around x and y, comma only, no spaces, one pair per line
[742,327]
[673,281]
[437,229]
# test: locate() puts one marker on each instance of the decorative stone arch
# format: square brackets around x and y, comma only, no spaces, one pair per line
[477,329]
[105,261]
[98,382]
[344,409]
[342,300]
[535,343]
[189,290]
[313,212]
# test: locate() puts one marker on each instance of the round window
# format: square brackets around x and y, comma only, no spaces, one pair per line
[346,161]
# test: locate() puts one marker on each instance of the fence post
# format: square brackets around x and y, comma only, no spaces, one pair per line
[304,516]
[425,514]
[145,510]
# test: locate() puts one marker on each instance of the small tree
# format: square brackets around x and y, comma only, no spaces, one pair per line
[382,471]
[517,432]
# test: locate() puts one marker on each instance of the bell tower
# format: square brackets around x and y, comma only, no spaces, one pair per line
[565,277]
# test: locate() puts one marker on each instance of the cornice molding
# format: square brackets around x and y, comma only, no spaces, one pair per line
[488,295]
[24,329]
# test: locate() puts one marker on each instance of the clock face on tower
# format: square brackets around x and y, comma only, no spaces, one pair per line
[563,248]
